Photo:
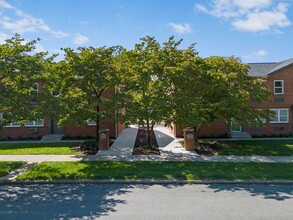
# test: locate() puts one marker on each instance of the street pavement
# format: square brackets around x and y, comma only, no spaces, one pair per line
[144,202]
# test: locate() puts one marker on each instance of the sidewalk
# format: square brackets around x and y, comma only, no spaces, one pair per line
[162,157]
[170,148]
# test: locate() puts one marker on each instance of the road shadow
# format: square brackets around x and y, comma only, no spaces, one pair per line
[275,192]
[83,201]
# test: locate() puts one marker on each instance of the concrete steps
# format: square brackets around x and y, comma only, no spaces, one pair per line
[52,137]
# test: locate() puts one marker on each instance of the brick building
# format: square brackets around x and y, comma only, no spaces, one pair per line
[279,77]
[40,128]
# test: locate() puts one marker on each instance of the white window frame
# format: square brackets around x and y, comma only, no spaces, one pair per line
[278,110]
[34,123]
[91,123]
[278,87]
[37,89]
[9,125]
[263,120]
[13,125]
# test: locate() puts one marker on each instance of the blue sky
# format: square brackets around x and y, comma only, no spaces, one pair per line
[254,30]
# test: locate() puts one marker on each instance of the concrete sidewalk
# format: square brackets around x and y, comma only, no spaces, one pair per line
[170,148]
[162,157]
[121,150]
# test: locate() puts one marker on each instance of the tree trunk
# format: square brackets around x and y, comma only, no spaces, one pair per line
[98,123]
[148,131]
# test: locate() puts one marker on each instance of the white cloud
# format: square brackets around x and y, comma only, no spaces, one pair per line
[4,4]
[3,37]
[263,21]
[80,39]
[249,15]
[24,22]
[180,28]
[39,48]
[256,54]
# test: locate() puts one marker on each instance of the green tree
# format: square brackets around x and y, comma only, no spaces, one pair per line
[20,69]
[219,90]
[82,79]
[146,86]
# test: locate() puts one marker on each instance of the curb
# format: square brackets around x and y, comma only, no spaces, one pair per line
[149,182]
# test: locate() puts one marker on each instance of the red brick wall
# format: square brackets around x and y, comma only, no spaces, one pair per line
[120,128]
[69,130]
[23,132]
[270,129]
[217,129]
[285,74]
[88,131]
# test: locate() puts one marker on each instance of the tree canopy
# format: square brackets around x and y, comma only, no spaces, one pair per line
[80,82]
[155,82]
[20,69]
[218,89]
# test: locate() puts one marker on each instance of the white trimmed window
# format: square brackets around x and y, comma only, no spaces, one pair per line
[13,125]
[91,123]
[278,87]
[10,125]
[36,87]
[37,123]
[263,120]
[280,116]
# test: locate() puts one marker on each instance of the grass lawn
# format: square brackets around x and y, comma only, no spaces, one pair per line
[37,148]
[151,170]
[258,147]
[7,167]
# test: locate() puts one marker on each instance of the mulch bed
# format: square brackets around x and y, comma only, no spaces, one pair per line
[140,146]
[209,148]
[87,147]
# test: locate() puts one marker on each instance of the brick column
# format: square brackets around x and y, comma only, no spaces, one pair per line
[104,139]
[188,139]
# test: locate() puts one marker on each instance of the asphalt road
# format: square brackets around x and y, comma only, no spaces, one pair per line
[110,201]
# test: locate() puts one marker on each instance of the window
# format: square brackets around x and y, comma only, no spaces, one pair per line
[280,116]
[37,123]
[91,123]
[262,120]
[279,87]
[13,125]
[34,92]
[35,88]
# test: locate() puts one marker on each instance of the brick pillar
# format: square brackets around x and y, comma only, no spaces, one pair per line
[188,139]
[104,139]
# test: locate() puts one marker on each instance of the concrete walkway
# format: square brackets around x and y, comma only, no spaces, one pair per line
[162,157]
[170,148]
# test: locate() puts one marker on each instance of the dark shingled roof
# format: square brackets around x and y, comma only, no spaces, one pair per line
[263,69]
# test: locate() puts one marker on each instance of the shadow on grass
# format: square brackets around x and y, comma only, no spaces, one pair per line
[259,147]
